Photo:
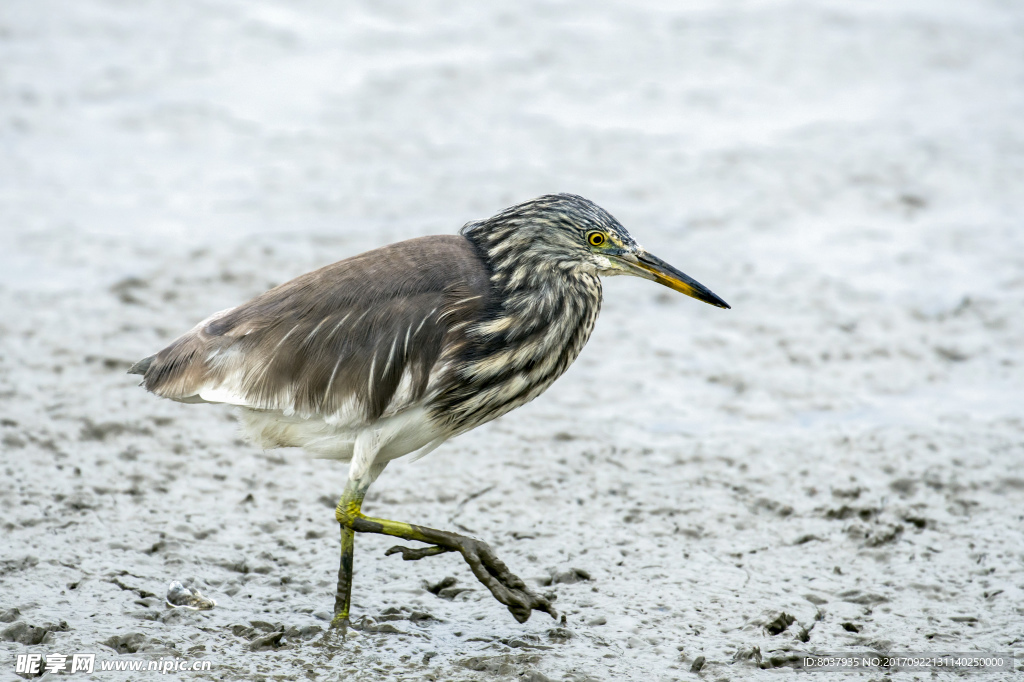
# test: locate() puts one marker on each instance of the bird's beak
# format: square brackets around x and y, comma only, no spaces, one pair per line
[651,267]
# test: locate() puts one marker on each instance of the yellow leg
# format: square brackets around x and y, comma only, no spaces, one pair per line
[348,507]
[486,566]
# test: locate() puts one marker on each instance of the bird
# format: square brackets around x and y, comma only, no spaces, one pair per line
[397,350]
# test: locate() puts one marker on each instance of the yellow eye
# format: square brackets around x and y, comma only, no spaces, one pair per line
[596,239]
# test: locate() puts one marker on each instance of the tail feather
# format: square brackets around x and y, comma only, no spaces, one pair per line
[142,366]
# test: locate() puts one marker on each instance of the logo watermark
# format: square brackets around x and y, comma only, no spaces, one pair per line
[37,664]
[973,661]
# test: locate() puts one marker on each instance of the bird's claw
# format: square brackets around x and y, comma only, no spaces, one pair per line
[506,587]
[411,554]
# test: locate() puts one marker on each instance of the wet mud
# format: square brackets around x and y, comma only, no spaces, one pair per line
[836,464]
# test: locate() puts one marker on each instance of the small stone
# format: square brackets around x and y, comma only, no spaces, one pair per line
[779,624]
[268,641]
[180,596]
[571,576]
[381,628]
[417,616]
[560,634]
[599,620]
[697,664]
[452,592]
[130,643]
[437,587]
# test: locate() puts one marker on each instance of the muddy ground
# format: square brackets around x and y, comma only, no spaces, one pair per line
[844,446]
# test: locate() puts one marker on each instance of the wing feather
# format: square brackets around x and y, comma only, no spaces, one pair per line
[337,342]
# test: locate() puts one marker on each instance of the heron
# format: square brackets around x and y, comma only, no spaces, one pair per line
[397,350]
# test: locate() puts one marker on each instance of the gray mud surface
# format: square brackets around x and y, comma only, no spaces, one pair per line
[843,447]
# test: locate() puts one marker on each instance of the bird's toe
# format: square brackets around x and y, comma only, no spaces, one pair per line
[507,587]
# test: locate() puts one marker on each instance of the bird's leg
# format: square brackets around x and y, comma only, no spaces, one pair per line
[348,508]
[506,587]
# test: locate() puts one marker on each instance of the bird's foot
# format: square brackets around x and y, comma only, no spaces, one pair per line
[341,622]
[506,587]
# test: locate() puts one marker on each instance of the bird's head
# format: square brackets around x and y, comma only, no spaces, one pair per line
[568,232]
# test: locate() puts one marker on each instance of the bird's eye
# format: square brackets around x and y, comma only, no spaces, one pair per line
[596,239]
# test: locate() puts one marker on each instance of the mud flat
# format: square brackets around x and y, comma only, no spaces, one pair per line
[834,465]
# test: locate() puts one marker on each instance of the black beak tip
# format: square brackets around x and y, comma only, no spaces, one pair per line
[712,298]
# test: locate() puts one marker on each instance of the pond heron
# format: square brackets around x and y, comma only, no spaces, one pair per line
[397,350]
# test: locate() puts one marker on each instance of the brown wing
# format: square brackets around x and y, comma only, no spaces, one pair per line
[345,341]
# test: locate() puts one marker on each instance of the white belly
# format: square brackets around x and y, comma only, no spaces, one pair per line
[387,439]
